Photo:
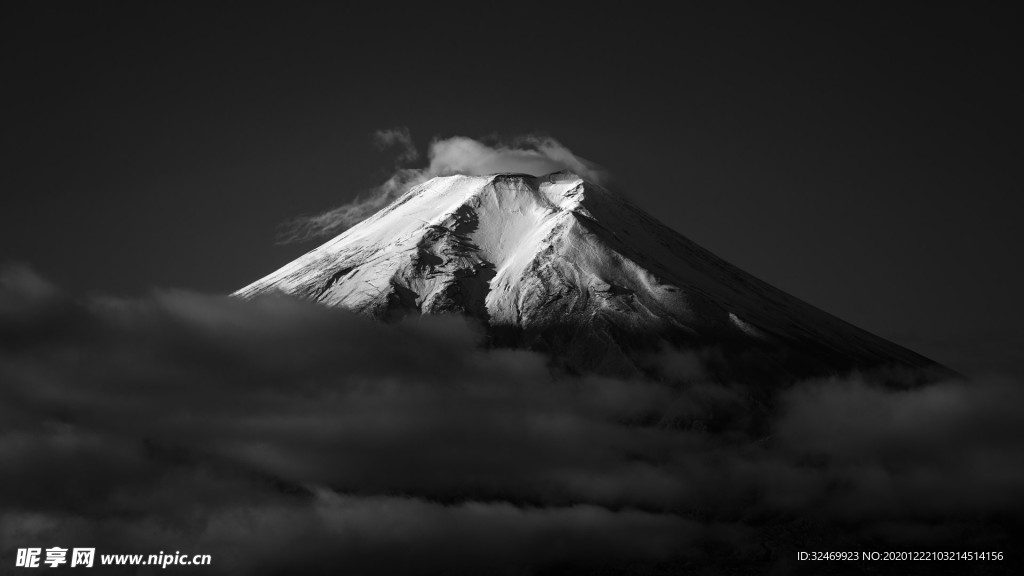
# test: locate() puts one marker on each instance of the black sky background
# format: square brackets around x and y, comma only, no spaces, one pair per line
[866,159]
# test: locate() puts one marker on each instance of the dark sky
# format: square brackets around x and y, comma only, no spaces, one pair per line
[867,160]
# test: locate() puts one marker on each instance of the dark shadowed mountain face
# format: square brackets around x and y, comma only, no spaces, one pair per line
[558,264]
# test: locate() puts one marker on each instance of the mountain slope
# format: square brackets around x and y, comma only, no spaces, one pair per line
[563,265]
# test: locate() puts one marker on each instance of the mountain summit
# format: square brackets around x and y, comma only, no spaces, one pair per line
[566,266]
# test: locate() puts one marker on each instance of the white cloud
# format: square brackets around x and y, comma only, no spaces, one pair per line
[531,155]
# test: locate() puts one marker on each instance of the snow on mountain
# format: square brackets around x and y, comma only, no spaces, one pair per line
[560,264]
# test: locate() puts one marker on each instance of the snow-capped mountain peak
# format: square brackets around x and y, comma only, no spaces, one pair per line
[558,263]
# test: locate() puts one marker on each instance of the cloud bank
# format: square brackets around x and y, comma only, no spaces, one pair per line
[530,154]
[279,436]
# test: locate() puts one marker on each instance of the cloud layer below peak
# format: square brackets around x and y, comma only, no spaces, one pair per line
[280,436]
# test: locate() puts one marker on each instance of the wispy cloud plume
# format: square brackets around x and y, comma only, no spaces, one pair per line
[529,154]
[398,138]
[341,218]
